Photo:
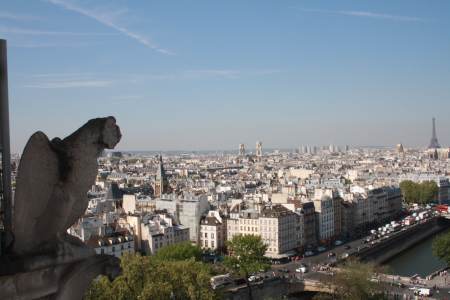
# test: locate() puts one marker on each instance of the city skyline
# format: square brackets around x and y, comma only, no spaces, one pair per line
[197,76]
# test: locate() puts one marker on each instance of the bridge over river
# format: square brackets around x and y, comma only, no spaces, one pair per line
[288,282]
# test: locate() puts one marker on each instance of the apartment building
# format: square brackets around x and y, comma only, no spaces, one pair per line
[325,214]
[213,231]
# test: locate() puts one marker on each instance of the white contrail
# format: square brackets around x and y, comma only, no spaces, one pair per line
[105,19]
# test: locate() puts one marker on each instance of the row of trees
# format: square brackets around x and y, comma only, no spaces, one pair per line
[422,193]
[177,272]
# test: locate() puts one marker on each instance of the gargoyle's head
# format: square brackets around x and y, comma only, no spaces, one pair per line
[110,134]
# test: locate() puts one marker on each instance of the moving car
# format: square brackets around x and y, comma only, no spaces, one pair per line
[422,292]
[302,269]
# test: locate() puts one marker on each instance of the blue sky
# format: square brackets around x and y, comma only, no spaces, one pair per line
[213,74]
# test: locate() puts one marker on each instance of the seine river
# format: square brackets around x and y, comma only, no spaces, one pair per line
[416,260]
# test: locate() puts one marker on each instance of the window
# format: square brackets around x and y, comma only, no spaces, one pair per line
[206,235]
[212,235]
[212,244]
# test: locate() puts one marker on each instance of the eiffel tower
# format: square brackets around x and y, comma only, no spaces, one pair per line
[434,144]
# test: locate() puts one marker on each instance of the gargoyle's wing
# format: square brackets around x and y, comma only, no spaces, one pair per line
[36,179]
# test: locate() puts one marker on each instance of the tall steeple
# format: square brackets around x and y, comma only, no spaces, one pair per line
[434,144]
[160,185]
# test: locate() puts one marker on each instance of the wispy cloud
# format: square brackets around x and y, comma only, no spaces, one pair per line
[67,80]
[121,98]
[99,80]
[108,19]
[211,73]
[224,73]
[18,17]
[33,45]
[63,75]
[366,14]
[64,84]
[27,31]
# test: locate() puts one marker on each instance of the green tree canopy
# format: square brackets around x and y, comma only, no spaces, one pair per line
[353,282]
[441,247]
[179,251]
[422,193]
[246,256]
[150,278]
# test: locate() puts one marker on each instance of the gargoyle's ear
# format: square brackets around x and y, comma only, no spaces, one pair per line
[111,133]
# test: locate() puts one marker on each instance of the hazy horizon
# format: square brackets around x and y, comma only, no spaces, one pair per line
[203,75]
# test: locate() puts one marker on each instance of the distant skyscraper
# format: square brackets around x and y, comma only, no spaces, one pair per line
[331,148]
[259,149]
[303,149]
[434,144]
[241,150]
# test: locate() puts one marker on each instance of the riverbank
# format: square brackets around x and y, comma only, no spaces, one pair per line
[418,259]
[389,248]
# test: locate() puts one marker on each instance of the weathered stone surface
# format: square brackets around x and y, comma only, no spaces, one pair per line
[52,183]
[51,194]
[59,281]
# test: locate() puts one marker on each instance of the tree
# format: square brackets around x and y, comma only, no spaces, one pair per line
[429,191]
[246,257]
[423,193]
[146,277]
[441,247]
[100,289]
[179,251]
[409,192]
[353,282]
[189,279]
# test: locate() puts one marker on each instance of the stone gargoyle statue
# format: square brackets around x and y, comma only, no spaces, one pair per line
[51,195]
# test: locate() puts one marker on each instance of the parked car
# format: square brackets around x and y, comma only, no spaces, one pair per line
[321,248]
[338,243]
[220,280]
[255,278]
[309,253]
